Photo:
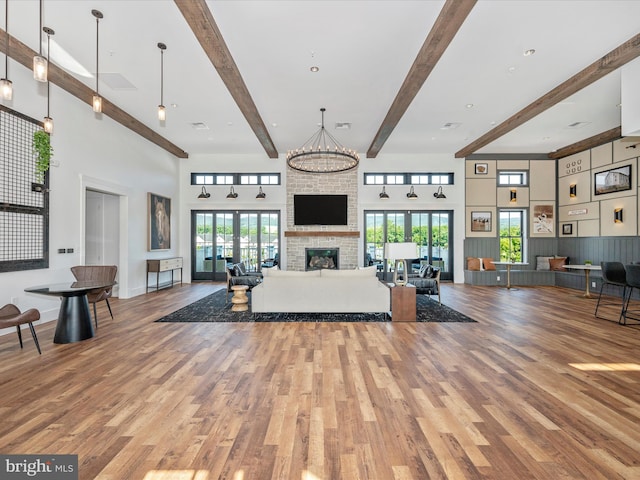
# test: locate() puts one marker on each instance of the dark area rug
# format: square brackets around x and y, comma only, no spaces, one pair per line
[214,308]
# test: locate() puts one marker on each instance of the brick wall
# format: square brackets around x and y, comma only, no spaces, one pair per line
[328,184]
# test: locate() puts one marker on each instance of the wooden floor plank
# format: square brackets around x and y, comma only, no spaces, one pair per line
[538,388]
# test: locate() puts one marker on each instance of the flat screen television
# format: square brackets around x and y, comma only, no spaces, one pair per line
[320,209]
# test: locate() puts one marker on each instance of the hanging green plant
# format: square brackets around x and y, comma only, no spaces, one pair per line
[44,152]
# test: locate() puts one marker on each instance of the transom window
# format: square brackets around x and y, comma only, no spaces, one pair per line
[518,177]
[408,178]
[235,179]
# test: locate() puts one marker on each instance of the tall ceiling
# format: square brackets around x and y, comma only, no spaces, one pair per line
[364,51]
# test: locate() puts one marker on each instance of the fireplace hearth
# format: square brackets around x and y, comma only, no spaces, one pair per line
[321,258]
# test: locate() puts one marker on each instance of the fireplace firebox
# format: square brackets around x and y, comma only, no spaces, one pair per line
[319,258]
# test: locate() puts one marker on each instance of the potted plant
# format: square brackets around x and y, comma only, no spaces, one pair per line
[44,152]
[588,262]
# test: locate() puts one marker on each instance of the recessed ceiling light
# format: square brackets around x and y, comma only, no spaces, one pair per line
[511,69]
[314,69]
[450,126]
[343,126]
[200,126]
[577,124]
[528,53]
[174,105]
[469,105]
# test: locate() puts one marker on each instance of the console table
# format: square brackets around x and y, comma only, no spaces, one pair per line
[158,266]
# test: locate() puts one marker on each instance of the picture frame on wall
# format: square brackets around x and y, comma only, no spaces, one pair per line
[567,229]
[612,180]
[542,219]
[480,221]
[159,215]
[482,168]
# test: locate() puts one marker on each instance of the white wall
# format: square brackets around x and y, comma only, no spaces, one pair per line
[91,151]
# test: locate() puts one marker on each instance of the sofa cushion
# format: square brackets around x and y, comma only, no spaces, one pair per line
[424,268]
[242,268]
[557,264]
[365,272]
[542,262]
[487,264]
[473,264]
[292,273]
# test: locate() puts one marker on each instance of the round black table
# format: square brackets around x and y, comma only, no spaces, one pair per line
[74,319]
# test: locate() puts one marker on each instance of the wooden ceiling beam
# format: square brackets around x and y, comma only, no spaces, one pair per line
[449,21]
[613,60]
[205,29]
[22,54]
[587,143]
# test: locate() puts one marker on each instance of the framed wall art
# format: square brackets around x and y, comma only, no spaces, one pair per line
[542,219]
[567,229]
[482,168]
[480,221]
[159,214]
[613,180]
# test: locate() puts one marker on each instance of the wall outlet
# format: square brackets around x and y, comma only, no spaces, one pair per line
[69,250]
[498,278]
[593,284]
[62,250]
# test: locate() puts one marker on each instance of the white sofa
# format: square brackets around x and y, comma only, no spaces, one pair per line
[323,291]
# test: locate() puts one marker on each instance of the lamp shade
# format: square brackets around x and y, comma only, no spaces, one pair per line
[401,250]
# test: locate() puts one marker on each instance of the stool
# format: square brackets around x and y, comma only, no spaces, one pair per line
[240,300]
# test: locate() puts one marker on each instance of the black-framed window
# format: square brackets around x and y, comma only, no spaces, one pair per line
[426,178]
[512,178]
[203,178]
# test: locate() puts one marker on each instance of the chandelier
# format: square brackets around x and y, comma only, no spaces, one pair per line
[322,153]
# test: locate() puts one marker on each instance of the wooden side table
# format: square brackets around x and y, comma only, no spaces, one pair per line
[240,300]
[403,303]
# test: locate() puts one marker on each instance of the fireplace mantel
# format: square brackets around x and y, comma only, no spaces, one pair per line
[301,233]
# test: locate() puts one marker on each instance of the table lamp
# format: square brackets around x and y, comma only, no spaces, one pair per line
[400,252]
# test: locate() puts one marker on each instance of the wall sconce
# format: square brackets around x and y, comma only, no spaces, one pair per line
[513,196]
[232,194]
[572,190]
[204,194]
[383,194]
[438,193]
[412,195]
[617,215]
[261,195]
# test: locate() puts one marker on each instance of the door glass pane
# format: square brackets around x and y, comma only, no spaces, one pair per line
[224,240]
[374,240]
[440,241]
[249,240]
[204,242]
[420,235]
[269,234]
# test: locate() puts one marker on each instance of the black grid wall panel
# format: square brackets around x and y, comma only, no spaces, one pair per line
[24,213]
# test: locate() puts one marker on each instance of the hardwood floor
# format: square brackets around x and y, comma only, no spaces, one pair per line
[537,389]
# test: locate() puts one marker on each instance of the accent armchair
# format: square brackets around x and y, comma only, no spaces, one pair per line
[426,281]
[10,316]
[102,273]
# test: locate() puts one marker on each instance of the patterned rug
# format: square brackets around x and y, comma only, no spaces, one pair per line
[214,308]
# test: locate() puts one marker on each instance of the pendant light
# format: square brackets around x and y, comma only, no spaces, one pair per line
[40,64]
[48,121]
[162,113]
[97,99]
[6,87]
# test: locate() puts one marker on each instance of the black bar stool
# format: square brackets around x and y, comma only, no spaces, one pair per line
[613,273]
[633,281]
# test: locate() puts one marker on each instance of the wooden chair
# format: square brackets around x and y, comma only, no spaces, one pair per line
[101,273]
[10,316]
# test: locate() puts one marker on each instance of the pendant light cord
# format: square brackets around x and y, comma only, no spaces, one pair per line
[6,30]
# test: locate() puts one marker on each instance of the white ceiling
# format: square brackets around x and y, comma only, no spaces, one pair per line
[364,50]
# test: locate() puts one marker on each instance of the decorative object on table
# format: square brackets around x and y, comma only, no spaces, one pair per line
[588,262]
[480,221]
[42,148]
[400,252]
[481,168]
[214,308]
[543,219]
[612,180]
[322,153]
[159,212]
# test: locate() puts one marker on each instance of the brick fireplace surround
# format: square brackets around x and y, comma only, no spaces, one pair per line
[345,238]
